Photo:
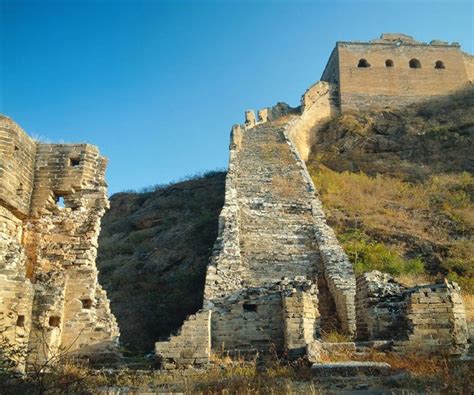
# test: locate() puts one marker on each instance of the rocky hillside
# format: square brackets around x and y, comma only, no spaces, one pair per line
[153,252]
[398,187]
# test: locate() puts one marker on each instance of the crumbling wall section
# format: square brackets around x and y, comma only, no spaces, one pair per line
[192,344]
[318,104]
[301,318]
[17,159]
[437,320]
[380,307]
[48,246]
[427,319]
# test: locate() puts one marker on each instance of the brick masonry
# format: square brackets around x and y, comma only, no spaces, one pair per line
[388,80]
[52,197]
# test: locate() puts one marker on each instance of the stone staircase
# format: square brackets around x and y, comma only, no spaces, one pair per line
[276,225]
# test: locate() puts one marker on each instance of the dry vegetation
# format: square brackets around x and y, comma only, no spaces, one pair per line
[400,227]
[411,374]
[398,188]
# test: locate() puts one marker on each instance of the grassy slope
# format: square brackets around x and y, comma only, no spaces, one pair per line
[153,252]
[398,187]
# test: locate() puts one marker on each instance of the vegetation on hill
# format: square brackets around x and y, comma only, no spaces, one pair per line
[153,252]
[398,187]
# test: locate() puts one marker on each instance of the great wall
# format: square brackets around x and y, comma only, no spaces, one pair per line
[278,277]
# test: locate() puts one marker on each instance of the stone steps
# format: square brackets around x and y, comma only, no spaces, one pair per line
[276,222]
[350,369]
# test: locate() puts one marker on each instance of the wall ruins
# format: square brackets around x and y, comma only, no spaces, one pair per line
[52,197]
[278,277]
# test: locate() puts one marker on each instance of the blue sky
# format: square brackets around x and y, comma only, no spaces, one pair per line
[157,85]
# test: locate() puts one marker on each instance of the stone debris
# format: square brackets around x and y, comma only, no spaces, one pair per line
[52,197]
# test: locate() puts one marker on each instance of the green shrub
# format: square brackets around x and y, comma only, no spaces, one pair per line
[367,254]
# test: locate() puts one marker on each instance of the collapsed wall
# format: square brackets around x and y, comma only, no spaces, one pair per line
[274,251]
[427,319]
[52,197]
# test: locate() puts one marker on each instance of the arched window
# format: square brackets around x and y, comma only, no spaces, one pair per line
[389,63]
[439,65]
[363,63]
[415,64]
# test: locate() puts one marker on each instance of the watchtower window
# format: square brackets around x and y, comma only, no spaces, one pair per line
[250,307]
[415,64]
[389,63]
[74,162]
[439,65]
[20,321]
[19,190]
[86,303]
[54,321]
[363,63]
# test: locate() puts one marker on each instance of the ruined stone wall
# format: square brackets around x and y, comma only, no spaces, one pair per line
[424,319]
[318,104]
[436,320]
[190,346]
[17,159]
[301,318]
[48,249]
[380,307]
[395,84]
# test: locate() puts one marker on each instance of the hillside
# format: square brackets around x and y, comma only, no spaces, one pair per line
[153,252]
[397,186]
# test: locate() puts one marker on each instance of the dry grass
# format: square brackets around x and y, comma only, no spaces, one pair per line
[335,337]
[399,218]
[386,203]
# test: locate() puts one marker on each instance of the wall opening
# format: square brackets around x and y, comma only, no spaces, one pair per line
[389,63]
[86,303]
[74,162]
[415,64]
[60,201]
[54,321]
[439,65]
[363,63]
[250,307]
[20,190]
[20,321]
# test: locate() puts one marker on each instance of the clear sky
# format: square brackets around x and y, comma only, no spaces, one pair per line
[157,85]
